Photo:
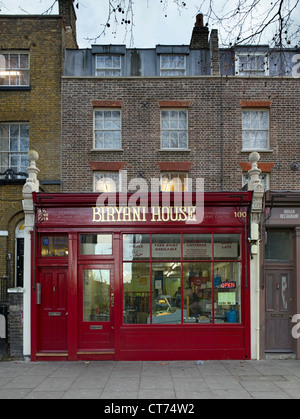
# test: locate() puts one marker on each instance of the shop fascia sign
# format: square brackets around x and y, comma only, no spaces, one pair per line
[183,210]
[139,214]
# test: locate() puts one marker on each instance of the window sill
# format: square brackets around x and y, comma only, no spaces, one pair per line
[106,149]
[175,149]
[12,182]
[257,150]
[15,88]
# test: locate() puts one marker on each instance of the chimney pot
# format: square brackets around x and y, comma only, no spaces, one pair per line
[199,21]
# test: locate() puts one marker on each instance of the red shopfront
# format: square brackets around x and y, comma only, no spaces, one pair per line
[140,282]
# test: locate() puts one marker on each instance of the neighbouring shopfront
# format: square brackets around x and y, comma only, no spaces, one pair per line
[140,282]
[280,285]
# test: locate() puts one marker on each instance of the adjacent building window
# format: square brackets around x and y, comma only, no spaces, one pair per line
[106,182]
[255,130]
[174,129]
[14,147]
[172,65]
[278,246]
[108,65]
[14,69]
[174,182]
[107,129]
[252,64]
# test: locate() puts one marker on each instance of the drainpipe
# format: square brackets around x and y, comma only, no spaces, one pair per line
[258,300]
[222,134]
[8,258]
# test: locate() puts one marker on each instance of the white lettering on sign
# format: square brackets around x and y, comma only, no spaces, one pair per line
[289,214]
[133,214]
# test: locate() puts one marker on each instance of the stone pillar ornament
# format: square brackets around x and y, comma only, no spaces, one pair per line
[31,185]
[255,184]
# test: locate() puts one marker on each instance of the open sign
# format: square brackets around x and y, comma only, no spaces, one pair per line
[228,285]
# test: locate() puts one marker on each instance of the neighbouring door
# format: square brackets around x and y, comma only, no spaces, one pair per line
[279,310]
[96,308]
[53,310]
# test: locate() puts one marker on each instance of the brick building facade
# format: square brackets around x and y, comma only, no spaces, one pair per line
[173,113]
[178,113]
[208,100]
[31,62]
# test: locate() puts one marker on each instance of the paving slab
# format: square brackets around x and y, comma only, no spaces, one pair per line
[158,380]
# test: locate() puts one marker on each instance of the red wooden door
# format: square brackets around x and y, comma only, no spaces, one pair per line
[279,310]
[96,308]
[53,324]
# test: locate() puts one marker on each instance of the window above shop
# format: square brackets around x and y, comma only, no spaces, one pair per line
[172,65]
[252,64]
[108,65]
[174,129]
[107,182]
[255,129]
[107,129]
[174,182]
[14,69]
[14,147]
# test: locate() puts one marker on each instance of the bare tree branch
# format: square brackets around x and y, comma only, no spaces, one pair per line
[276,22]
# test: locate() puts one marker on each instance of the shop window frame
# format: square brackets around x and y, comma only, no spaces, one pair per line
[45,259]
[242,260]
[95,258]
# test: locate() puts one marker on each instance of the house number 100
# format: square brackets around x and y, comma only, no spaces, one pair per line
[240,214]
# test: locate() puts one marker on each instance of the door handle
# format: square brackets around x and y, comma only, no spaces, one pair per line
[112,299]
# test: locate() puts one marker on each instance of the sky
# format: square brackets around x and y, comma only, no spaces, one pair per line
[152,24]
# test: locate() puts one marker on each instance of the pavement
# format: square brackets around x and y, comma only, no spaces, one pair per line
[164,380]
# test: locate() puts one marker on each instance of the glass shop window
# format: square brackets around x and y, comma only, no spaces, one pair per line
[227,246]
[53,246]
[166,293]
[166,246]
[197,246]
[96,244]
[96,295]
[136,293]
[136,246]
[227,292]
[278,245]
[181,279]
[197,293]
